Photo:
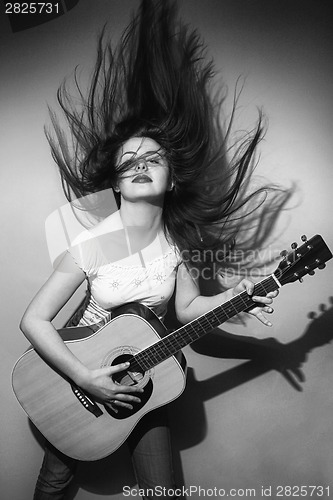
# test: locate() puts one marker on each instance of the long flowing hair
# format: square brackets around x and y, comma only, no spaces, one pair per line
[157,82]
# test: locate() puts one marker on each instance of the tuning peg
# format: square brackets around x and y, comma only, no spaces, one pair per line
[311,273]
[304,238]
[284,253]
[320,265]
[296,275]
[294,245]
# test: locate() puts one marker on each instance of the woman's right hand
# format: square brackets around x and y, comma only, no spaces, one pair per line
[99,383]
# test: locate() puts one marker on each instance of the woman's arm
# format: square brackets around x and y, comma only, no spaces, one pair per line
[37,327]
[190,304]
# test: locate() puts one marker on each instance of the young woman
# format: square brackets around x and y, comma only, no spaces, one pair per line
[150,130]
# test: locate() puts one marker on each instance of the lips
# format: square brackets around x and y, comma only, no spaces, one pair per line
[142,178]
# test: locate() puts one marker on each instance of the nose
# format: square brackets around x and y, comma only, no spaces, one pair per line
[141,166]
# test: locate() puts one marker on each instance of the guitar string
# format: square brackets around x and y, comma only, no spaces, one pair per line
[171,344]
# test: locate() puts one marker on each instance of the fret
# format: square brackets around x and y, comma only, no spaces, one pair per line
[217,319]
[221,315]
[178,341]
[195,332]
[245,299]
[204,323]
[139,363]
[155,357]
[266,286]
[170,345]
[237,304]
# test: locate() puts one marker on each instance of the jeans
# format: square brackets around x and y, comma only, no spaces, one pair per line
[151,453]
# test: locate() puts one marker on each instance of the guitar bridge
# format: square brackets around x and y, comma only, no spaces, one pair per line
[86,402]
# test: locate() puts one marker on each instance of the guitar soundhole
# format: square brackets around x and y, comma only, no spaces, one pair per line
[127,377]
[137,377]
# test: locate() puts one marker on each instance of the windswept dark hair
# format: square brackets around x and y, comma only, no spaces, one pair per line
[157,83]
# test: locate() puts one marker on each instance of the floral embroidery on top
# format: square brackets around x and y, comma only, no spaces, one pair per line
[138,282]
[148,277]
[115,285]
[159,277]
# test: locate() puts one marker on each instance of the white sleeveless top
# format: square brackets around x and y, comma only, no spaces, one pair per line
[122,267]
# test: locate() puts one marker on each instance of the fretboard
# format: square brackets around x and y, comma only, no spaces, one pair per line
[169,346]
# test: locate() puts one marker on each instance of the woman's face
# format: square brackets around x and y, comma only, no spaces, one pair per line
[146,175]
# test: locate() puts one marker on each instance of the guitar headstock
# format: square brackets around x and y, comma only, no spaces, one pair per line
[312,254]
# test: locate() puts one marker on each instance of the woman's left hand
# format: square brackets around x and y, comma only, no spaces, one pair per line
[264,303]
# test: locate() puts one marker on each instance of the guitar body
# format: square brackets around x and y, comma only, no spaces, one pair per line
[69,419]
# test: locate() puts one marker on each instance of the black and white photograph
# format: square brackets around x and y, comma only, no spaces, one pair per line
[167,300]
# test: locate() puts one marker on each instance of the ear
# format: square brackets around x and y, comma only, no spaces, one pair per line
[116,189]
[171,186]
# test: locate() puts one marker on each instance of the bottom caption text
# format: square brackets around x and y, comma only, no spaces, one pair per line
[261,492]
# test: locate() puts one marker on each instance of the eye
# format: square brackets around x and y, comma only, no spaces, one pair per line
[157,160]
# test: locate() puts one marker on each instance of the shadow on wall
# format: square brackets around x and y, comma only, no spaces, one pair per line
[109,475]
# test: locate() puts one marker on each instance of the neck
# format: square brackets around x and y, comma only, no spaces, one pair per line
[172,343]
[141,214]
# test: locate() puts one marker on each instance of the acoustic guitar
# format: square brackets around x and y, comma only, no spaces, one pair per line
[86,429]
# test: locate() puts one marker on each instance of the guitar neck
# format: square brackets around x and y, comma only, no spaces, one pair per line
[171,344]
